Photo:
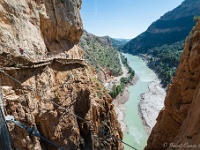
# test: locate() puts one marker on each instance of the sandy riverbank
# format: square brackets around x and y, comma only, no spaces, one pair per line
[151,103]
[119,101]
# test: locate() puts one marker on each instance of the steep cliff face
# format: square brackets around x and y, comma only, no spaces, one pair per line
[178,123]
[61,24]
[39,27]
[61,97]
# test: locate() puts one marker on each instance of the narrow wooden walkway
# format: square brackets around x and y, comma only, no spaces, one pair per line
[64,61]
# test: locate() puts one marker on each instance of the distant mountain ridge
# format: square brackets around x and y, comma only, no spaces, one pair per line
[121,39]
[172,27]
[119,43]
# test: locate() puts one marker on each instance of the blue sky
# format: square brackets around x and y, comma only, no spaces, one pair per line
[123,18]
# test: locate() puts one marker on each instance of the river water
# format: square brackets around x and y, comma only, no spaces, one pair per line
[136,134]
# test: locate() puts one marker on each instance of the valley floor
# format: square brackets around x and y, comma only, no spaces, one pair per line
[149,106]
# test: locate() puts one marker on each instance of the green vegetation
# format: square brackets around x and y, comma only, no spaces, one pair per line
[101,53]
[162,41]
[164,60]
[106,58]
[116,90]
[160,33]
[124,80]
[130,71]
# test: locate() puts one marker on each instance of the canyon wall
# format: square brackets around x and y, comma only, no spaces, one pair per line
[177,125]
[50,97]
[61,98]
[40,27]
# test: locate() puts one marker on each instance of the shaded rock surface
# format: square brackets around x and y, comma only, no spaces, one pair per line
[178,123]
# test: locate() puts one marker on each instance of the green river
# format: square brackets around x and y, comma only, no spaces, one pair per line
[136,135]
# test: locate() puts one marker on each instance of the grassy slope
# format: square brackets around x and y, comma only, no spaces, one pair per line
[100,51]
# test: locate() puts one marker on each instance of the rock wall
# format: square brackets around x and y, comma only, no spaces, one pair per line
[52,27]
[177,125]
[39,27]
[77,91]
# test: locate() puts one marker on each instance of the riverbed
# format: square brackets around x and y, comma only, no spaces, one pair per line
[135,134]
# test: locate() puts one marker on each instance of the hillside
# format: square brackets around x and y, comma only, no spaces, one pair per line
[172,27]
[51,92]
[177,124]
[162,43]
[164,60]
[99,52]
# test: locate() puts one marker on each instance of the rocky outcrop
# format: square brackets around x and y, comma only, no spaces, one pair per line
[39,27]
[177,125]
[61,24]
[61,98]
[50,98]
